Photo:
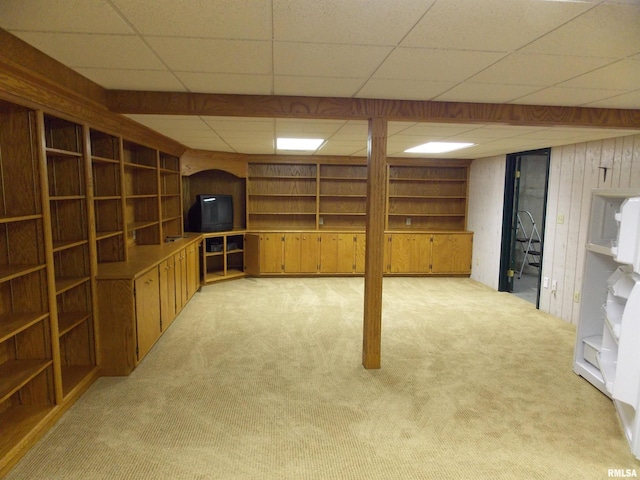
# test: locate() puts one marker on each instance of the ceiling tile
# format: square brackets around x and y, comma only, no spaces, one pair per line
[338,147]
[226,83]
[119,79]
[543,70]
[324,60]
[359,22]
[398,89]
[608,30]
[485,92]
[627,100]
[622,75]
[316,86]
[570,97]
[213,56]
[86,50]
[435,65]
[301,128]
[175,122]
[232,124]
[489,24]
[233,19]
[70,16]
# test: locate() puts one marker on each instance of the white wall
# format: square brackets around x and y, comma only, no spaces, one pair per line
[575,171]
[486,196]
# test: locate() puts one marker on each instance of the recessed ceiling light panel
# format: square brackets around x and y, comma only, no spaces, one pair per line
[299,144]
[439,147]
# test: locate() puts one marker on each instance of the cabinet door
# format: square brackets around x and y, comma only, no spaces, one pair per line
[329,253]
[346,253]
[252,254]
[193,270]
[410,253]
[180,272]
[360,240]
[167,292]
[147,311]
[451,253]
[271,253]
[300,253]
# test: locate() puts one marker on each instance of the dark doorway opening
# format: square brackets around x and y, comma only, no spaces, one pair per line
[523,220]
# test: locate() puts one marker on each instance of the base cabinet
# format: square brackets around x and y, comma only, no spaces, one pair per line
[140,298]
[343,253]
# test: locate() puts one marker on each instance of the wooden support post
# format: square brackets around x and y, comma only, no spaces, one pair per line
[374,257]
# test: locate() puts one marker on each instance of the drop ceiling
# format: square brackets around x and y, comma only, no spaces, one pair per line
[537,52]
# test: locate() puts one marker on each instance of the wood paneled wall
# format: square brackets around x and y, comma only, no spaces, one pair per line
[575,171]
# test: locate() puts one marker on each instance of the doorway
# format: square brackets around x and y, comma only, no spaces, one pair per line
[524,212]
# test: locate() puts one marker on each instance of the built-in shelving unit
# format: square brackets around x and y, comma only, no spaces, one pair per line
[141,190]
[170,195]
[427,197]
[106,152]
[27,387]
[283,195]
[342,197]
[422,195]
[69,202]
[223,256]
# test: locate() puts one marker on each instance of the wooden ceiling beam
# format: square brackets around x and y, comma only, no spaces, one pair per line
[274,106]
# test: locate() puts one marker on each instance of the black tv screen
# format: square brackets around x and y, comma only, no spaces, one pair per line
[211,213]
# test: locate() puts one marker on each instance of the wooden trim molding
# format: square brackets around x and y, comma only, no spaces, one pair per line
[274,106]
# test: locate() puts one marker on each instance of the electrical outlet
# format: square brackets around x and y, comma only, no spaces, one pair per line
[408,221]
[554,286]
[576,297]
[321,221]
[545,282]
[560,219]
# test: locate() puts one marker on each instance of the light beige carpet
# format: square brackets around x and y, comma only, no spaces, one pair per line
[261,379]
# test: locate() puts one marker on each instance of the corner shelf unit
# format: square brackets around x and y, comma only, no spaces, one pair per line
[422,195]
[223,256]
[608,337]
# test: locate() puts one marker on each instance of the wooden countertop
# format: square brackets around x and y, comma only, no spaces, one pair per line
[144,257]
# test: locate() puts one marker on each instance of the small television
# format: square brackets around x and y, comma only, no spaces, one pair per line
[211,213]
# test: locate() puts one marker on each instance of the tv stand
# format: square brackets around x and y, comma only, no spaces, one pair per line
[222,256]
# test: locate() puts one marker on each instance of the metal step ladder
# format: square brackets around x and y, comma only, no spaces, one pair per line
[530,241]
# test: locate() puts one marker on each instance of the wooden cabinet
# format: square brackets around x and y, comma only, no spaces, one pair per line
[170,196]
[168,308]
[337,253]
[301,252]
[265,253]
[147,300]
[451,253]
[223,256]
[409,253]
[136,302]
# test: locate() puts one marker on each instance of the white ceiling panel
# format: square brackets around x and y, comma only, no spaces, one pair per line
[316,86]
[491,25]
[435,65]
[233,19]
[626,100]
[231,83]
[622,75]
[327,60]
[488,92]
[570,97]
[89,50]
[379,22]
[120,79]
[539,70]
[399,89]
[70,16]
[608,30]
[213,56]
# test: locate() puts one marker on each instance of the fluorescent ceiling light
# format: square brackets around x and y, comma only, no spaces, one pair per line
[298,143]
[438,147]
